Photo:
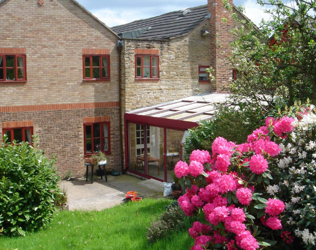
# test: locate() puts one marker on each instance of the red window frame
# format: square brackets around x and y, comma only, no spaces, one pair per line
[100,67]
[203,72]
[4,68]
[142,66]
[12,132]
[93,138]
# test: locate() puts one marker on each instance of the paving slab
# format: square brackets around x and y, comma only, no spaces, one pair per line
[100,195]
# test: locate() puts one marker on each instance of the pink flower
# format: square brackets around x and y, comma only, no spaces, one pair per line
[246,241]
[261,132]
[201,241]
[226,184]
[270,121]
[185,205]
[196,229]
[258,164]
[274,223]
[208,209]
[259,146]
[220,201]
[196,201]
[218,215]
[274,207]
[283,126]
[235,227]
[214,175]
[222,146]
[231,245]
[244,147]
[222,163]
[272,148]
[244,196]
[196,168]
[181,169]
[213,189]
[237,214]
[201,156]
[205,195]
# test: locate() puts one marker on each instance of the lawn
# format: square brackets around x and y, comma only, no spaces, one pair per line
[120,227]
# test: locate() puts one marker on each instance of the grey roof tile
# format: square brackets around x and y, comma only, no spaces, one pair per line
[164,26]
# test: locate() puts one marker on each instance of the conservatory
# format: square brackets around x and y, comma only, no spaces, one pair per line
[155,136]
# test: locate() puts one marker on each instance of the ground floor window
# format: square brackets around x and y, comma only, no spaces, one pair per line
[97,138]
[19,134]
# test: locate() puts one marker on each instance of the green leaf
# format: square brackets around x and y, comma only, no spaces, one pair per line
[263,243]
[260,206]
[205,174]
[229,197]
[21,231]
[260,213]
[250,217]
[235,199]
[262,200]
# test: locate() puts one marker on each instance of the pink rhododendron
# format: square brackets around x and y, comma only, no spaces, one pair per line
[218,215]
[261,132]
[226,184]
[208,209]
[258,164]
[270,121]
[235,227]
[274,207]
[231,245]
[244,147]
[196,168]
[272,148]
[181,169]
[246,241]
[283,126]
[205,195]
[196,229]
[220,201]
[201,156]
[196,201]
[186,205]
[222,146]
[213,189]
[201,241]
[244,196]
[274,223]
[238,214]
[222,162]
[214,175]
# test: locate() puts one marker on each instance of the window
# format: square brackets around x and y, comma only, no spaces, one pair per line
[203,75]
[19,134]
[12,68]
[146,66]
[96,67]
[96,138]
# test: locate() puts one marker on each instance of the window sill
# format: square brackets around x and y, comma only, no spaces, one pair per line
[96,80]
[204,82]
[147,79]
[12,82]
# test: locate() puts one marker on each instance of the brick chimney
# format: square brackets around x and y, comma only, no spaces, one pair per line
[220,38]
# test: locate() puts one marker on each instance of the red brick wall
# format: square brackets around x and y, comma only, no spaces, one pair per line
[55,98]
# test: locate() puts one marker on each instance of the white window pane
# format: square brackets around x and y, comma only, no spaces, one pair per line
[146,72]
[155,72]
[154,61]
[146,60]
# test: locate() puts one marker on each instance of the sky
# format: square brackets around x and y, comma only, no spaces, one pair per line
[117,12]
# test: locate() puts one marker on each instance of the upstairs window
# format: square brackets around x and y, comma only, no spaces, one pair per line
[12,68]
[96,67]
[19,134]
[96,138]
[146,67]
[203,75]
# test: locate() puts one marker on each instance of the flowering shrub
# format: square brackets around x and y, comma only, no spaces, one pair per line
[246,191]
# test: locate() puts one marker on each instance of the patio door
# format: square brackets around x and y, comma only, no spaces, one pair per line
[140,139]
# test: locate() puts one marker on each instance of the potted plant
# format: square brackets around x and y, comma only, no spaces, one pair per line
[98,158]
[176,187]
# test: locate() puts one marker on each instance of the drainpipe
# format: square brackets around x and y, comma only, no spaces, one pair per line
[120,45]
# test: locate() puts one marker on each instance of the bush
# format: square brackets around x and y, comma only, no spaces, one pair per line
[28,185]
[172,218]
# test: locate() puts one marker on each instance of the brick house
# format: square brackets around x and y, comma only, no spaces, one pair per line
[44,46]
[68,78]
[164,59]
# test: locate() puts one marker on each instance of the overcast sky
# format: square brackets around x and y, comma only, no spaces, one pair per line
[116,12]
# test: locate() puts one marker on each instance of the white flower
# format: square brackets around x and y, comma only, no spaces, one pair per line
[282,163]
[286,183]
[310,145]
[293,150]
[302,155]
[314,155]
[282,147]
[295,199]
[273,189]
[314,188]
[297,188]
[297,211]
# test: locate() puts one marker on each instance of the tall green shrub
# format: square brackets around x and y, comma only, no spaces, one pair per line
[28,184]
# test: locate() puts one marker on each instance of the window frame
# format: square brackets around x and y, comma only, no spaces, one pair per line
[150,67]
[15,67]
[108,78]
[108,152]
[4,130]
[203,72]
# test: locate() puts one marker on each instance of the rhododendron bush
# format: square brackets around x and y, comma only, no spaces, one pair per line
[252,194]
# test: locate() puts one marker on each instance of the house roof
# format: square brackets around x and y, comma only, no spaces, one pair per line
[165,26]
[85,10]
[180,114]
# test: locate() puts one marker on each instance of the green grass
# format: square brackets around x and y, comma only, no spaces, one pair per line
[121,227]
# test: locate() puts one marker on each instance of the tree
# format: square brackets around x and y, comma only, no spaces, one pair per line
[278,59]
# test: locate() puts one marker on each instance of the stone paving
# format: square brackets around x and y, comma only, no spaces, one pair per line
[99,195]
